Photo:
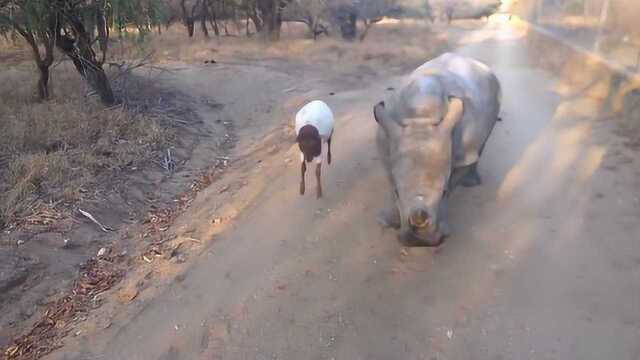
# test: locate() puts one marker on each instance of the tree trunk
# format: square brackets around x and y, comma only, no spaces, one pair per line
[103,30]
[367,25]
[349,28]
[43,83]
[84,60]
[42,64]
[203,26]
[225,22]
[272,19]
[204,14]
[190,26]
[257,23]
[187,18]
[214,21]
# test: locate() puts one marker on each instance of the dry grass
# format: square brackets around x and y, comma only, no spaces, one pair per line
[58,151]
[380,46]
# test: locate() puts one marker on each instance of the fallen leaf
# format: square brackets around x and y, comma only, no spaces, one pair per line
[133,295]
[102,252]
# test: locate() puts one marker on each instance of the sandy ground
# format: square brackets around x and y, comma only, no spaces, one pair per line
[249,93]
[543,263]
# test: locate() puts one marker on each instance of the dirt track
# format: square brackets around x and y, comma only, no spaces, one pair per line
[543,263]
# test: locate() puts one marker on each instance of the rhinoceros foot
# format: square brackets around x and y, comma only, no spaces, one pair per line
[389,218]
[472,178]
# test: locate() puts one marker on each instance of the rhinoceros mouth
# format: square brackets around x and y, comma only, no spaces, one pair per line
[417,238]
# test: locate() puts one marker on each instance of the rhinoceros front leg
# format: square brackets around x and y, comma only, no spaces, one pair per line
[466,176]
[443,222]
[472,177]
[390,217]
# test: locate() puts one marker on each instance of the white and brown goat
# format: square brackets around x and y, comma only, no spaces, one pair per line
[314,126]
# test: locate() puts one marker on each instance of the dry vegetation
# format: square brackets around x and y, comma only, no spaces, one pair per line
[58,151]
[380,48]
[66,152]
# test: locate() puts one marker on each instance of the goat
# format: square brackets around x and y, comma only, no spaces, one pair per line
[314,125]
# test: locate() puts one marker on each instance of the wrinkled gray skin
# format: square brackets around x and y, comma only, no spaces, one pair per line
[430,137]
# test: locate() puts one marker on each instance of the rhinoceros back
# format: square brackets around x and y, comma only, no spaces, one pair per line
[475,82]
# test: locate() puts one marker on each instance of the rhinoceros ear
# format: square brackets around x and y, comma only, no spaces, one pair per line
[378,110]
[455,112]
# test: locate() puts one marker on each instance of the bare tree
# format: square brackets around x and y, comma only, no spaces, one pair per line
[309,12]
[36,24]
[59,23]
[80,29]
[189,14]
[271,14]
[74,39]
[346,13]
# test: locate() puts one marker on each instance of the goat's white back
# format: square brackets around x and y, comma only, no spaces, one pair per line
[319,115]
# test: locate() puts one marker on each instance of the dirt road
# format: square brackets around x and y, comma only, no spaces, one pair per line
[543,263]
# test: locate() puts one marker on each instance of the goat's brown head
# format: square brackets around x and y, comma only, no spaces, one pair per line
[309,142]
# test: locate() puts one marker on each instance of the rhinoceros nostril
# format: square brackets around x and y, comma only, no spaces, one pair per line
[419,218]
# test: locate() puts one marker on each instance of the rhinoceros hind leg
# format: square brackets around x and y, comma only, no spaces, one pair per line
[472,178]
[389,218]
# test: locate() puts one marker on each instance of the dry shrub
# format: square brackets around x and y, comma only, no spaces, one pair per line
[61,149]
[381,45]
[56,150]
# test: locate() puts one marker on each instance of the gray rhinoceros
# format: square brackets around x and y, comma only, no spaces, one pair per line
[431,134]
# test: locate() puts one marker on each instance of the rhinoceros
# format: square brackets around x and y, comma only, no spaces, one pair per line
[431,134]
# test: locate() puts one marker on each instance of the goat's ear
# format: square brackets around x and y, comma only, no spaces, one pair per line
[378,110]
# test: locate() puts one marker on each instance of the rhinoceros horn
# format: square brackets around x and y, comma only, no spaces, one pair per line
[455,112]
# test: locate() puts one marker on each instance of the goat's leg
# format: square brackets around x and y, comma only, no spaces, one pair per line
[303,170]
[329,150]
[318,171]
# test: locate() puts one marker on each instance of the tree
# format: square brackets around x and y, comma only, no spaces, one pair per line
[47,24]
[346,17]
[430,14]
[271,14]
[309,12]
[189,14]
[346,13]
[372,12]
[80,29]
[75,40]
[36,23]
